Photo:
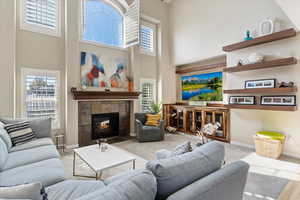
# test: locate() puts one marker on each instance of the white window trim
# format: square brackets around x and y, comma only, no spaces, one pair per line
[151,81]
[153,25]
[30,71]
[36,28]
[81,29]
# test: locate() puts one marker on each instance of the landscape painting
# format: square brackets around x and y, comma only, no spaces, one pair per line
[202,87]
[101,71]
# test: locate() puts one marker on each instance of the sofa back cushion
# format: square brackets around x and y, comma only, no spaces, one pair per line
[3,154]
[42,126]
[176,172]
[5,137]
[139,186]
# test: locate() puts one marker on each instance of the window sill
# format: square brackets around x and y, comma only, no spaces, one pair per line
[40,30]
[102,45]
[147,53]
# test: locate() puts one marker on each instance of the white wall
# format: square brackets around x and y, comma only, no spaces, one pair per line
[7,56]
[291,9]
[199,29]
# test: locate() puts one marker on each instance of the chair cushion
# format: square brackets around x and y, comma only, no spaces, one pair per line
[179,171]
[42,126]
[152,120]
[141,186]
[33,191]
[32,144]
[5,137]
[25,157]
[48,172]
[122,176]
[20,132]
[3,154]
[73,189]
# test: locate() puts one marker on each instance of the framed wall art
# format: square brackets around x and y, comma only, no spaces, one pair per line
[287,100]
[242,100]
[262,83]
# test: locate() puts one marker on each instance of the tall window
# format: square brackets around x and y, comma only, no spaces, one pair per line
[40,95]
[42,16]
[148,38]
[148,87]
[102,23]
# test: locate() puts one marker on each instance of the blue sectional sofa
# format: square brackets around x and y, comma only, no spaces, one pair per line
[196,175]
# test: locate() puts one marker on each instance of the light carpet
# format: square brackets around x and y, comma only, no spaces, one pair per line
[266,180]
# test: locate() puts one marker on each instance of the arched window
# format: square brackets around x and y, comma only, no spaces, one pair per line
[102,23]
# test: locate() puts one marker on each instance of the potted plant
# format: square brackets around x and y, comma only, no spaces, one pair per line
[156,107]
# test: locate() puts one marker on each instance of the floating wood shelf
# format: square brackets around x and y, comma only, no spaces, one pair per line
[183,70]
[262,91]
[262,107]
[261,40]
[262,65]
[92,95]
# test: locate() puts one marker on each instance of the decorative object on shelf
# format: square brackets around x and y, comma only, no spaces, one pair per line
[171,129]
[286,84]
[202,87]
[284,100]
[130,84]
[83,87]
[210,129]
[104,72]
[261,83]
[248,36]
[242,100]
[269,26]
[255,58]
[198,103]
[107,90]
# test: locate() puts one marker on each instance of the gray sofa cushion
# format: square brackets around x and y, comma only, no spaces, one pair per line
[3,154]
[122,176]
[42,127]
[177,172]
[5,137]
[73,189]
[141,186]
[48,172]
[29,156]
[31,191]
[33,144]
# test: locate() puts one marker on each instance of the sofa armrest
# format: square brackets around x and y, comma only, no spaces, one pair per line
[227,183]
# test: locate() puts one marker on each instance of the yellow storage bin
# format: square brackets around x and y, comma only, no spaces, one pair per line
[269,144]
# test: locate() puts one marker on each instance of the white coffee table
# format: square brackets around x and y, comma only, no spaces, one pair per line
[99,161]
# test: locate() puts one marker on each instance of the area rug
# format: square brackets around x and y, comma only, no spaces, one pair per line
[261,183]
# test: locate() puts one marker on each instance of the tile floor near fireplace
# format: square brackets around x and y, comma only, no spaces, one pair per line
[102,113]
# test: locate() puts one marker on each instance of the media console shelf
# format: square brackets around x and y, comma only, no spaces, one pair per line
[190,119]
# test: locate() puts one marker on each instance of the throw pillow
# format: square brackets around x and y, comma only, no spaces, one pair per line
[182,148]
[20,133]
[153,120]
[33,191]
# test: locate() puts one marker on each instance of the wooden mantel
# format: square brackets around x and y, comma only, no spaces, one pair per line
[92,95]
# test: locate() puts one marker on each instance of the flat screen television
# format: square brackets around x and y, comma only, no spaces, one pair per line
[202,87]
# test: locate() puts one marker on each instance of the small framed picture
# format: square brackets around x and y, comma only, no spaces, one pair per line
[242,100]
[262,83]
[287,100]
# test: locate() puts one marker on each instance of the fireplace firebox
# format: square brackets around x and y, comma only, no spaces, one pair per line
[105,125]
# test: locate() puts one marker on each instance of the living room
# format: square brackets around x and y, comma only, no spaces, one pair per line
[194,99]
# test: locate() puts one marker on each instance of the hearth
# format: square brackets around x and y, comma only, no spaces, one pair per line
[105,125]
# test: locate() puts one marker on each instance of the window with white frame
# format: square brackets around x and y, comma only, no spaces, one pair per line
[41,95]
[109,22]
[148,38]
[148,88]
[41,16]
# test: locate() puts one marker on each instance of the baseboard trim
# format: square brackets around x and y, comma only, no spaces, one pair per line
[249,146]
[74,146]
